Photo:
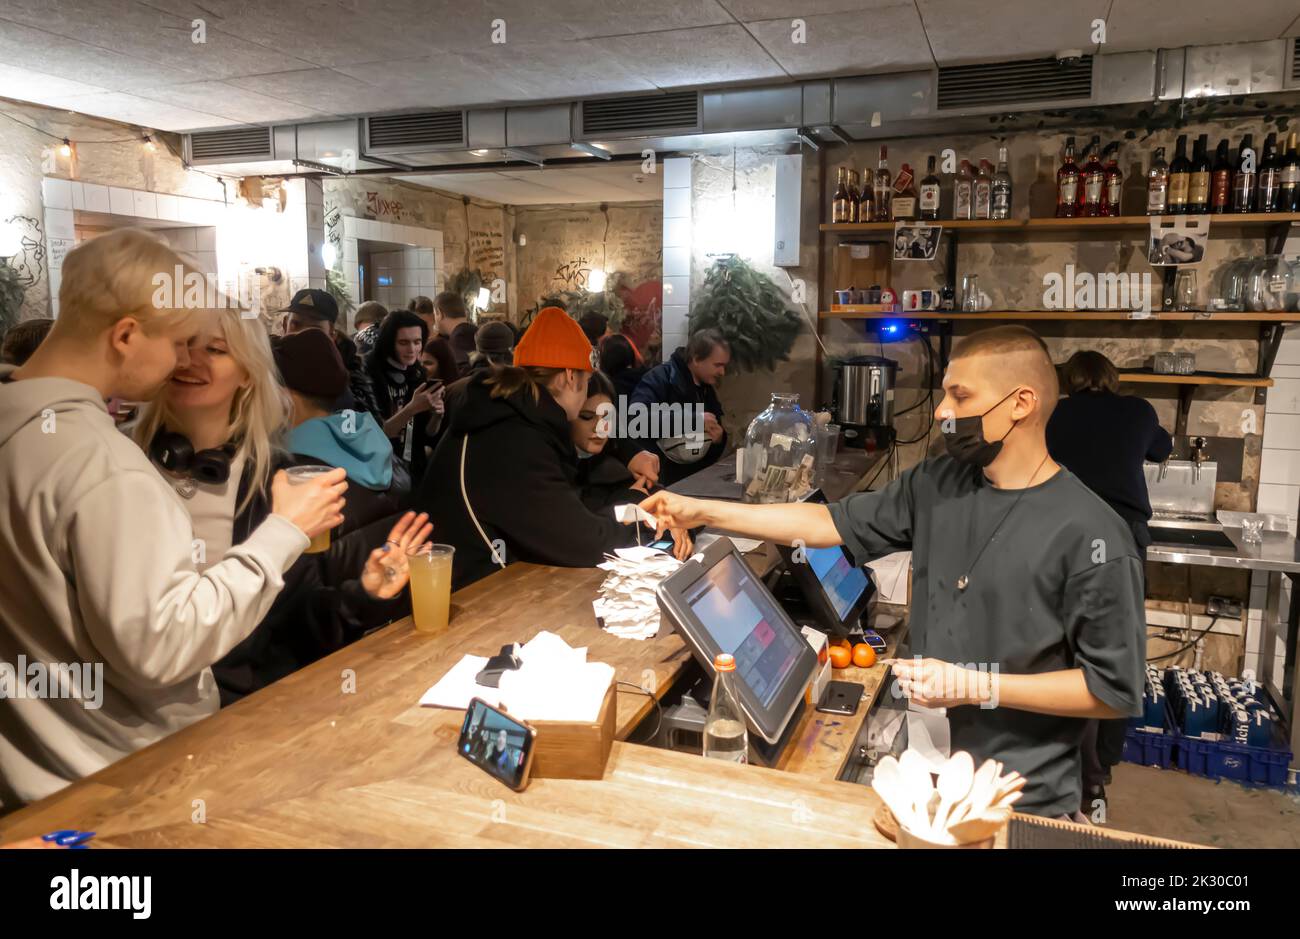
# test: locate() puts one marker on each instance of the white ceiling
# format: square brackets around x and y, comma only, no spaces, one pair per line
[606,182]
[291,60]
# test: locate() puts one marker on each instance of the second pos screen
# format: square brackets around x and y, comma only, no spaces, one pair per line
[742,619]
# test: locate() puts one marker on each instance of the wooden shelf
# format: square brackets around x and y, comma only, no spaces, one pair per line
[873,313]
[1239,381]
[1227,220]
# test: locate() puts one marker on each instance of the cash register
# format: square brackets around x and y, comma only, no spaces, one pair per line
[717,604]
[822,587]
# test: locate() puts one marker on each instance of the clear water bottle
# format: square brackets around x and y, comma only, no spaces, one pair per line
[725,734]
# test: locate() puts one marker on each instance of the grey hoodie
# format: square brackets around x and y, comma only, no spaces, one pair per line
[97,579]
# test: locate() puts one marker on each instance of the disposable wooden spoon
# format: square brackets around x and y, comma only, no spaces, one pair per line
[954,785]
[979,827]
[888,783]
[919,786]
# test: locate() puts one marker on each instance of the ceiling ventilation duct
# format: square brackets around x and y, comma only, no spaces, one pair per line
[1033,81]
[640,116]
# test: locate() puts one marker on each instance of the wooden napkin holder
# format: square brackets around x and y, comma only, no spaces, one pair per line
[575,749]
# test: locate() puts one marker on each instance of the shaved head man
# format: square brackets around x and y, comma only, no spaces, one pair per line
[1027,610]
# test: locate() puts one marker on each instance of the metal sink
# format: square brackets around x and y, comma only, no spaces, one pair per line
[1190,536]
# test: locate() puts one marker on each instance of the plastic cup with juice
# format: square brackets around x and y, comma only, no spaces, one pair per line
[302,474]
[430,566]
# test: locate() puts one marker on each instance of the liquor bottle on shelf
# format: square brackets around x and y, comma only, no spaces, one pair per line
[1067,183]
[1092,181]
[1114,185]
[1198,182]
[840,210]
[867,198]
[884,187]
[929,209]
[982,192]
[963,195]
[1269,177]
[1001,194]
[1221,180]
[853,196]
[1288,197]
[1243,181]
[1158,184]
[1180,173]
[904,197]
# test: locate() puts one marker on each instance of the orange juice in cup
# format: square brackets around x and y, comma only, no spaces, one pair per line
[302,474]
[430,571]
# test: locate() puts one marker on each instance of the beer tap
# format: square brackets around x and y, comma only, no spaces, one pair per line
[1198,445]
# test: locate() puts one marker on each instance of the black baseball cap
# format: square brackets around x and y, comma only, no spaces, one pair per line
[317,304]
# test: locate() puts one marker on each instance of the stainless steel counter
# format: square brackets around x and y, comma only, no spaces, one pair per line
[1279,552]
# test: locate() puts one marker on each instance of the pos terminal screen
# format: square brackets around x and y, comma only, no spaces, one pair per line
[842,581]
[740,617]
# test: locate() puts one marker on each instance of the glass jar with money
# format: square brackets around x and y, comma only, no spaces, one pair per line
[777,461]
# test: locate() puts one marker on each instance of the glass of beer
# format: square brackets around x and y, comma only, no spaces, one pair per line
[430,566]
[299,475]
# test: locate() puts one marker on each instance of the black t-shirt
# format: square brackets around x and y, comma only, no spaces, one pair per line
[1058,587]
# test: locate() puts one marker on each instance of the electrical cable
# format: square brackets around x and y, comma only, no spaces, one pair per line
[1199,636]
[929,396]
[137,139]
[659,708]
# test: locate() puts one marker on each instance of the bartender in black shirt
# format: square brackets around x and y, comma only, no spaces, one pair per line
[1027,596]
[1104,437]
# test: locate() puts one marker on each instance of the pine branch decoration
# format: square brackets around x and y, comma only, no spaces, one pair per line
[748,308]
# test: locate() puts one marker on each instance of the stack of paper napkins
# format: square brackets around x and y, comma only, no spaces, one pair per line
[554,682]
[626,605]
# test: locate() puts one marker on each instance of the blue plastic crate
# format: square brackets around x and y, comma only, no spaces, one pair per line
[1148,749]
[1220,759]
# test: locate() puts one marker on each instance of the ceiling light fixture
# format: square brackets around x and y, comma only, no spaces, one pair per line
[149,144]
[66,149]
[591,150]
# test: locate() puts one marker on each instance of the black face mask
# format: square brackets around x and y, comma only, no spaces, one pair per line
[966,443]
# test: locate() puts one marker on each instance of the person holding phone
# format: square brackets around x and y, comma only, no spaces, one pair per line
[410,406]
[98,550]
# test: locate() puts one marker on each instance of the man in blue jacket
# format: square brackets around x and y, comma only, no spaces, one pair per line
[686,382]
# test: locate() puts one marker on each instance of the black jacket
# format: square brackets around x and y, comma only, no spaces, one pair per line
[360,395]
[390,403]
[322,606]
[521,475]
[625,380]
[1103,439]
[605,482]
[671,383]
[462,345]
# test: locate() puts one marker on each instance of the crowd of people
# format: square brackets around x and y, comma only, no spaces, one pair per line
[171,543]
[181,550]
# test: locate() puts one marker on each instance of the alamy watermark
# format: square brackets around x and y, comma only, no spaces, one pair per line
[637,421]
[1087,291]
[46,680]
[192,290]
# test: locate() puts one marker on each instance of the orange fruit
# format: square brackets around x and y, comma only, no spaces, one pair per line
[863,655]
[841,655]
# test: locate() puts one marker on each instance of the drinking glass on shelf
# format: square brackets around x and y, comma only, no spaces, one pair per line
[970,293]
[1165,363]
[1185,363]
[1185,290]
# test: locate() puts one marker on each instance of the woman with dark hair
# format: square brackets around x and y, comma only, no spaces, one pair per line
[438,361]
[409,406]
[502,484]
[620,361]
[1104,437]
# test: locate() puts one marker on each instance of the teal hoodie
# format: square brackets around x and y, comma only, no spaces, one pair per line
[350,439]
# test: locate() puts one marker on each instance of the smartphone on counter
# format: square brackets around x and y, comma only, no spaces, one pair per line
[500,745]
[841,697]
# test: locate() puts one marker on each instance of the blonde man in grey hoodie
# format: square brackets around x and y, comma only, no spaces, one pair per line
[107,629]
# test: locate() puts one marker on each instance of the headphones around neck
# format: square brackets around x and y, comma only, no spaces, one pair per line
[175,453]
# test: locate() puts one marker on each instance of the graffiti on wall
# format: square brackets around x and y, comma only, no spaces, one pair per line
[30,261]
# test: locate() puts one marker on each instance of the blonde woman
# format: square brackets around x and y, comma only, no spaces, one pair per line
[97,550]
[214,434]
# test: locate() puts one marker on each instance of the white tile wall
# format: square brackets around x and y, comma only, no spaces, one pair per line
[676,251]
[96,197]
[57,193]
[121,201]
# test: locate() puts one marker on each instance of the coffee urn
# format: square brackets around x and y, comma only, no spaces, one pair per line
[863,403]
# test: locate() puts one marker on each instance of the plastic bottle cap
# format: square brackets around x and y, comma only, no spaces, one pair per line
[724,662]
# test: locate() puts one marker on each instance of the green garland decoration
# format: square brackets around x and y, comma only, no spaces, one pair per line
[748,308]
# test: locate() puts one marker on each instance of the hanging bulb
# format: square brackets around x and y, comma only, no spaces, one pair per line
[148,143]
[66,149]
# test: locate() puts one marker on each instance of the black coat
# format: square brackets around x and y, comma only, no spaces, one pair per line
[605,481]
[521,475]
[322,606]
[625,380]
[388,404]
[671,383]
[360,395]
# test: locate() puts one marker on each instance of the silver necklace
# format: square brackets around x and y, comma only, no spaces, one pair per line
[964,580]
